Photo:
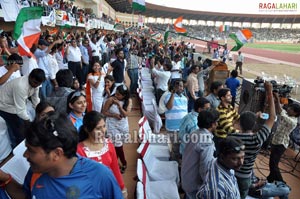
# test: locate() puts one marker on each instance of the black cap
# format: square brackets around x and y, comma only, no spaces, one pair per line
[43,42]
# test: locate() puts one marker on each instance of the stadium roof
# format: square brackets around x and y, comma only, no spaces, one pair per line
[153,10]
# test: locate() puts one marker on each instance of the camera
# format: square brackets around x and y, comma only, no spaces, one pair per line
[283,90]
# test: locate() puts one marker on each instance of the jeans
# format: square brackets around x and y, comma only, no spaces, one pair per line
[244,185]
[276,152]
[85,71]
[279,189]
[14,126]
[3,194]
[133,76]
[191,101]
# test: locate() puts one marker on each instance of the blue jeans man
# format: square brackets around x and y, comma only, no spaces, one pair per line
[133,76]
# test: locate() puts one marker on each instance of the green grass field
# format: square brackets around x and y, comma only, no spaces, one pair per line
[290,48]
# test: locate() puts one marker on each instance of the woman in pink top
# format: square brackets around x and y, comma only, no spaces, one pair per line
[95,146]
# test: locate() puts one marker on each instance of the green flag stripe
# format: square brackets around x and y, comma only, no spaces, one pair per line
[238,45]
[24,15]
[136,6]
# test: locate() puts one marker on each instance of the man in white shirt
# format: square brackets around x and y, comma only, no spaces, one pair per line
[74,58]
[176,72]
[13,98]
[162,77]
[41,54]
[239,62]
[96,49]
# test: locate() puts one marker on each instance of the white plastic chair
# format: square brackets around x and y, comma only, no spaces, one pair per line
[161,152]
[161,189]
[159,169]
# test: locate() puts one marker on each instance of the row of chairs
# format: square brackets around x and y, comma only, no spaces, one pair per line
[158,177]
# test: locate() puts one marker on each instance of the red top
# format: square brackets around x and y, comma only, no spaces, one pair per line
[107,156]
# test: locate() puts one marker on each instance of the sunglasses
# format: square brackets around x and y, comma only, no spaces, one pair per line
[236,149]
[77,94]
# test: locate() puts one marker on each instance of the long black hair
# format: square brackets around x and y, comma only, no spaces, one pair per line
[123,90]
[90,121]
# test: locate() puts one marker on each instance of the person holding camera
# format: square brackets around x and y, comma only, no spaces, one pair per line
[280,140]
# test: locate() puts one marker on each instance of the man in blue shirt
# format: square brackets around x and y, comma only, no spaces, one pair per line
[233,83]
[189,123]
[55,169]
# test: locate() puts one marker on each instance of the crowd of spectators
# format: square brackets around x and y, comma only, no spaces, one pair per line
[259,34]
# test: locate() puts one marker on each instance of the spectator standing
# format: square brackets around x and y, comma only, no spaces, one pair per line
[13,97]
[198,153]
[162,75]
[228,116]
[116,109]
[280,140]
[239,62]
[192,87]
[11,70]
[176,69]
[189,123]
[213,96]
[176,103]
[74,58]
[134,62]
[95,88]
[85,59]
[94,145]
[253,141]
[233,84]
[118,68]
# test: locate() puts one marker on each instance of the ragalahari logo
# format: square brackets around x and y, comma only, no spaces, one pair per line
[278,7]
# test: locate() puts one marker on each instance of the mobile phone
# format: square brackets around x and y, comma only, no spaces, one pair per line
[264,116]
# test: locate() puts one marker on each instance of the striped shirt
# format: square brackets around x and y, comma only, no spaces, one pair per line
[253,143]
[220,183]
[226,119]
[197,157]
[176,113]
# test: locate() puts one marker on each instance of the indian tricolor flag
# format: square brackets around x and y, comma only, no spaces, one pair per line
[27,29]
[139,5]
[241,37]
[223,28]
[178,26]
